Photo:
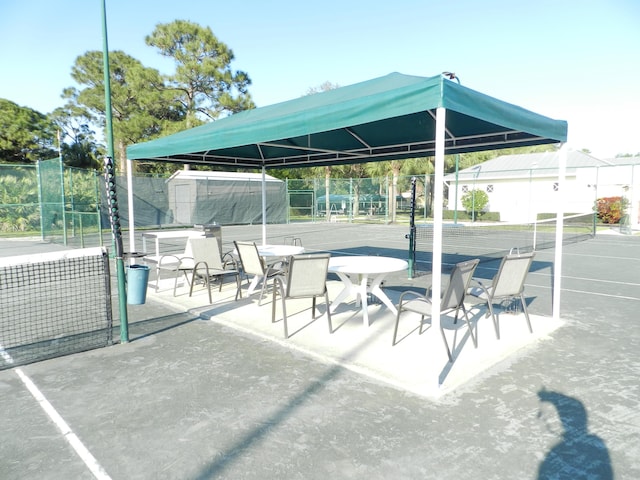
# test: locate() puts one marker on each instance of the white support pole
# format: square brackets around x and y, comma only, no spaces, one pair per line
[557,264]
[438,201]
[132,228]
[264,206]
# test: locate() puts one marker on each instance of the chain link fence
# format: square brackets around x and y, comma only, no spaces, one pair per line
[66,205]
[57,203]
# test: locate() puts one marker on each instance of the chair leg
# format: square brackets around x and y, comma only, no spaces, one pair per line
[466,318]
[207,283]
[446,344]
[238,286]
[284,317]
[395,330]
[326,301]
[284,309]
[494,318]
[526,312]
[313,308]
[175,282]
[278,288]
[207,280]
[262,289]
[273,306]
[420,330]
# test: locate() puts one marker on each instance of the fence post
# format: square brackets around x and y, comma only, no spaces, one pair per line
[386,207]
[62,198]
[98,202]
[412,229]
[40,200]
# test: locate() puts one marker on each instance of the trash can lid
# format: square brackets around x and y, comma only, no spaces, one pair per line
[143,267]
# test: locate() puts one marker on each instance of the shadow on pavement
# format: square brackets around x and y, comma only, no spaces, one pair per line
[578,454]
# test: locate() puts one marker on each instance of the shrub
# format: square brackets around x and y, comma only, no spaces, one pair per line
[611,209]
[474,202]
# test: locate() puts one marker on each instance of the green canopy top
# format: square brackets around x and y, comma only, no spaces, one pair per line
[390,117]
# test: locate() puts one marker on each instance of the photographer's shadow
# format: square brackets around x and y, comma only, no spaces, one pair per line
[579,454]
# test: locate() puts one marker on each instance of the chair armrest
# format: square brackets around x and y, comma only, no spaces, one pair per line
[151,259]
[168,259]
[173,261]
[229,260]
[279,285]
[413,295]
[202,268]
[277,268]
[478,289]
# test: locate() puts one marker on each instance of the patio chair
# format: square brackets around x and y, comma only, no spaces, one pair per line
[253,264]
[452,300]
[208,266]
[306,277]
[507,284]
[293,240]
[177,264]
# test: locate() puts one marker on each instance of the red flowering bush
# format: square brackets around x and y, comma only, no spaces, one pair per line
[611,209]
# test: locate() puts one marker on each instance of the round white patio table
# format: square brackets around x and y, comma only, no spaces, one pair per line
[355,273]
[279,250]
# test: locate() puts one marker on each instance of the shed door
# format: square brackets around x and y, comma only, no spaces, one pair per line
[183,204]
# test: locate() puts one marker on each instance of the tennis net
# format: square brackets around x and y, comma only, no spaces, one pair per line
[494,240]
[53,304]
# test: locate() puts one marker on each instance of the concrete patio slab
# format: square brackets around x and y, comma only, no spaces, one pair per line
[418,363]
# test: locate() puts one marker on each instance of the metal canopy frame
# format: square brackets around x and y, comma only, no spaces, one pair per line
[388,118]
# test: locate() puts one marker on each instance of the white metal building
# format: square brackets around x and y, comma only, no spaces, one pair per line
[522,186]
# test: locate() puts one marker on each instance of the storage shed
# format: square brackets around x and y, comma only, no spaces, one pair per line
[226,198]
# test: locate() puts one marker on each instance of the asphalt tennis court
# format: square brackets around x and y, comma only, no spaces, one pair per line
[189,399]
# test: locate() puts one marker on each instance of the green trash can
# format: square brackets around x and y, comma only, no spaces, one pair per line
[137,279]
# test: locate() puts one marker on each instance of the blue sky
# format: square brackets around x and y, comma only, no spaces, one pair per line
[575,60]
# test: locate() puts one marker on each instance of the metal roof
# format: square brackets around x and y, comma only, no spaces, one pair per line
[530,165]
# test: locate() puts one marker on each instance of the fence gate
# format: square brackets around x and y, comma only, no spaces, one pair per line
[301,204]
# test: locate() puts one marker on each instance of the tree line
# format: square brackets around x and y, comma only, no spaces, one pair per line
[146,104]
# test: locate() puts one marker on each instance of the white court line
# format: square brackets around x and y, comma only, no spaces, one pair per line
[566,277]
[68,434]
[624,297]
[596,280]
[599,280]
[71,437]
[610,257]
